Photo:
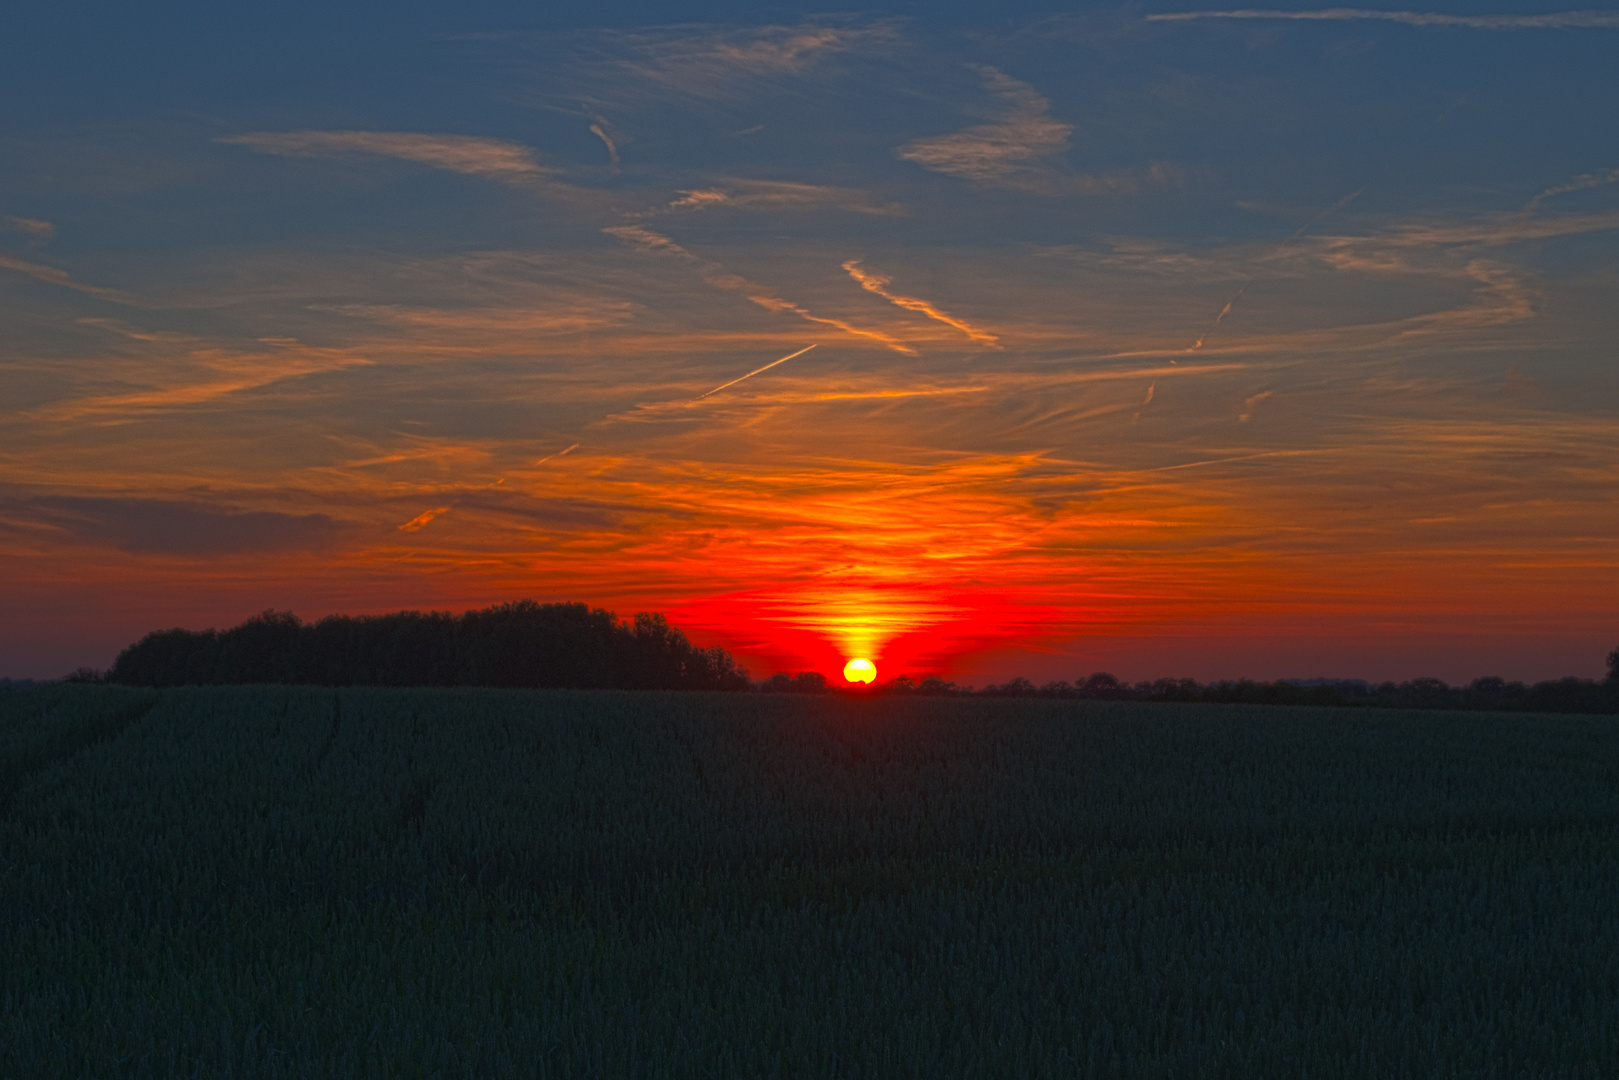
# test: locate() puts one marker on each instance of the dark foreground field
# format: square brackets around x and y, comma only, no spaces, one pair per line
[294,882]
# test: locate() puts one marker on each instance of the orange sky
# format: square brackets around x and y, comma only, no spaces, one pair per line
[1066,410]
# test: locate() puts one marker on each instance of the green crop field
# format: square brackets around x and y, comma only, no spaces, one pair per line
[276,881]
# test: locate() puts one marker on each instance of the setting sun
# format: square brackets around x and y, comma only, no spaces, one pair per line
[860,671]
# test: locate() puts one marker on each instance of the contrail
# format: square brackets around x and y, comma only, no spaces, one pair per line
[717,276]
[876,283]
[749,375]
[1229,304]
[1328,212]
[1300,231]
[558,454]
[423,519]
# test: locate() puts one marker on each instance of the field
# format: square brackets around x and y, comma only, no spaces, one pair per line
[294,882]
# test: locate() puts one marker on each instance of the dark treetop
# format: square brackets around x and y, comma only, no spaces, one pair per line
[522,644]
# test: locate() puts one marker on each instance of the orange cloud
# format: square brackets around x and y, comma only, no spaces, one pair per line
[495,159]
[719,278]
[875,283]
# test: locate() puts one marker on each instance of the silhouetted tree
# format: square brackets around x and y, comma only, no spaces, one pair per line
[805,682]
[1613,666]
[521,644]
[1101,686]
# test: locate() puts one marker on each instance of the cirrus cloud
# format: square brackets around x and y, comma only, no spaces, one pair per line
[1553,20]
[1000,152]
[470,155]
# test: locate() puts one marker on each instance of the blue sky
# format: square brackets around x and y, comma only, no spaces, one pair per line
[1167,340]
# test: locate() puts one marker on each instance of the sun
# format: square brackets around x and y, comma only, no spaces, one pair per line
[860,671]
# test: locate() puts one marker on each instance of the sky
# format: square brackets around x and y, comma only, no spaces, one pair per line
[976,340]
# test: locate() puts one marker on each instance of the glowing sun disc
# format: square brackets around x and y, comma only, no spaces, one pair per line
[860,671]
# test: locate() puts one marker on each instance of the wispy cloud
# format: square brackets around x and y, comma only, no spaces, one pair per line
[610,138]
[1557,20]
[53,276]
[35,228]
[1250,404]
[720,278]
[1151,387]
[999,152]
[185,372]
[493,159]
[570,319]
[1022,149]
[876,283]
[774,195]
[1579,183]
[418,522]
[709,63]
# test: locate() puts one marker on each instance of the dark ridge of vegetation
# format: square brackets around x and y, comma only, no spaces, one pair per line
[572,646]
[517,645]
[302,882]
[1490,694]
[1569,695]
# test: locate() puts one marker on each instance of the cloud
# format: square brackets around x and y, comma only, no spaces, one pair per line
[175,527]
[494,159]
[720,278]
[1151,387]
[709,63]
[1495,230]
[38,230]
[1000,152]
[1250,404]
[876,283]
[769,195]
[182,372]
[52,276]
[585,315]
[1579,183]
[609,136]
[416,523]
[1557,20]
[1019,150]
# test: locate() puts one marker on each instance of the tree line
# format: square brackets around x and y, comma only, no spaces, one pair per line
[521,644]
[574,646]
[1488,694]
